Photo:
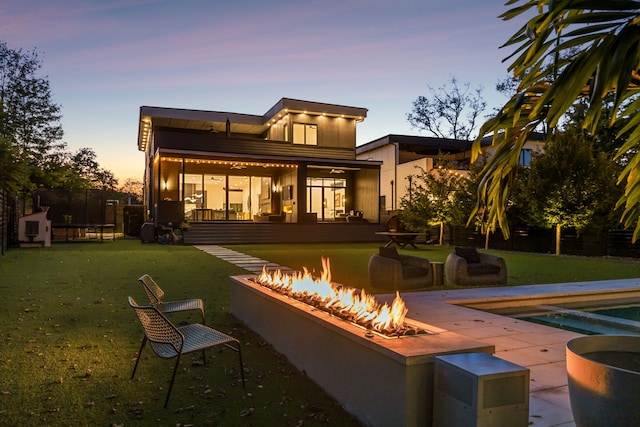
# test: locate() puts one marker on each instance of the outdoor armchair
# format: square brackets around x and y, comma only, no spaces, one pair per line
[468,267]
[156,299]
[390,270]
[168,341]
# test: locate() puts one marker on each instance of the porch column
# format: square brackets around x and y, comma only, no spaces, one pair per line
[301,192]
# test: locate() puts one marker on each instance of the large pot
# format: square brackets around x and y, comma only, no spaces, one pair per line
[604,380]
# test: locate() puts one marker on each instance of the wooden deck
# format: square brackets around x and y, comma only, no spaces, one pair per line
[242,232]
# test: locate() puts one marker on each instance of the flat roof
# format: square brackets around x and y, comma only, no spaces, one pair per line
[425,145]
[239,123]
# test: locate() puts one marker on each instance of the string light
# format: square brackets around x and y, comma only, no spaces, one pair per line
[228,163]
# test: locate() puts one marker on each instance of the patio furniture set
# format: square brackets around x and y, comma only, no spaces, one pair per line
[465,267]
[169,341]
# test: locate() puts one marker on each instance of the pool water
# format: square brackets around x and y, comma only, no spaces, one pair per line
[629,313]
[622,317]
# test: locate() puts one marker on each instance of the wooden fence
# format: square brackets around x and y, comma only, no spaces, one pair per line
[616,243]
[6,215]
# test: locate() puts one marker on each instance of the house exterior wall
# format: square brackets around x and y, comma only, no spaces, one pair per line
[398,164]
[535,146]
[410,168]
[388,156]
[205,142]
[367,190]
[204,145]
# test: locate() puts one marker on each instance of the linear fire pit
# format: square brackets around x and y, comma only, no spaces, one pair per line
[382,381]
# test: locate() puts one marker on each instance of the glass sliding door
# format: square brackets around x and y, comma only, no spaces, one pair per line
[193,196]
[239,196]
[326,197]
[215,207]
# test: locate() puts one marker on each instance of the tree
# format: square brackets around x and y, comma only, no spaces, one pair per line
[133,189]
[85,166]
[32,152]
[603,37]
[449,112]
[12,171]
[30,120]
[432,200]
[567,183]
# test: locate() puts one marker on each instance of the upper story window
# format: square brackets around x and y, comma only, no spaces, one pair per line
[306,134]
[525,157]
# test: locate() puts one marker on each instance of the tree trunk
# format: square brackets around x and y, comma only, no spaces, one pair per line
[486,241]
[558,228]
[441,232]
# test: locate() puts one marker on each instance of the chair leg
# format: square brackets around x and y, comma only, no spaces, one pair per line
[241,365]
[144,341]
[238,349]
[173,377]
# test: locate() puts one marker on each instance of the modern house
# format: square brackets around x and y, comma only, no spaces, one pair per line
[294,164]
[402,156]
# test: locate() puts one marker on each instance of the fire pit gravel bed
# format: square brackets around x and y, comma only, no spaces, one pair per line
[357,307]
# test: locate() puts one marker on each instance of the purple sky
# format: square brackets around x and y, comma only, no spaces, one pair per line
[105,59]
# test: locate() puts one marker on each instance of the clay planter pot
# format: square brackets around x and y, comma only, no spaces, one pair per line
[604,380]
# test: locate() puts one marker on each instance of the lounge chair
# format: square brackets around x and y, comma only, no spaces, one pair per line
[468,267]
[156,299]
[168,341]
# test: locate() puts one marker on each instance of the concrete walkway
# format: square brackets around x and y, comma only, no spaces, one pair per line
[537,347]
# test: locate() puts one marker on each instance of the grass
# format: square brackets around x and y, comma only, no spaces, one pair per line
[349,263]
[68,339]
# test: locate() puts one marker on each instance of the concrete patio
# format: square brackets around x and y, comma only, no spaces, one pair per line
[539,348]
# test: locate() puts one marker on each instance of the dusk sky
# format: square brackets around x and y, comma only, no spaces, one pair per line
[104,59]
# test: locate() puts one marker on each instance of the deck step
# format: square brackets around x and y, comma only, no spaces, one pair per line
[224,232]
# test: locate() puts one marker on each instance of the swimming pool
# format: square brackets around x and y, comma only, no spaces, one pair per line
[588,313]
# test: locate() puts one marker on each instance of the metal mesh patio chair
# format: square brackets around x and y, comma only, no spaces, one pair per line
[156,298]
[168,341]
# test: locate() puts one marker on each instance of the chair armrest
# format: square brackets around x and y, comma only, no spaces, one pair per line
[383,270]
[455,267]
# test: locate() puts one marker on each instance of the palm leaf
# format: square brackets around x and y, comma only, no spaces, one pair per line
[606,32]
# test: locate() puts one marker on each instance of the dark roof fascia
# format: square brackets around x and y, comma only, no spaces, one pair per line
[418,144]
[199,115]
[268,158]
[533,136]
[297,105]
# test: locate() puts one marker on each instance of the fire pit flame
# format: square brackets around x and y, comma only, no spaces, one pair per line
[350,304]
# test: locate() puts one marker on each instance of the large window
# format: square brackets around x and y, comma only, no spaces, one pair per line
[327,197]
[306,134]
[209,197]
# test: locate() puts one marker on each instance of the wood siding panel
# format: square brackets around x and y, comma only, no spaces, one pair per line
[206,142]
[245,233]
[386,155]
[367,190]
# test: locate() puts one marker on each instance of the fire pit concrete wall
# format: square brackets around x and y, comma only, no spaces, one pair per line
[381,381]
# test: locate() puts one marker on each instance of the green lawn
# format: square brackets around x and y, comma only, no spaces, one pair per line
[68,343]
[349,263]
[68,339]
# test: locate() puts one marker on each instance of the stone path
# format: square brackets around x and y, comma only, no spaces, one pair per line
[252,264]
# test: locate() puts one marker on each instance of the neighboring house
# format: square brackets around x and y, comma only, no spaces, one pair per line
[402,154]
[295,163]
